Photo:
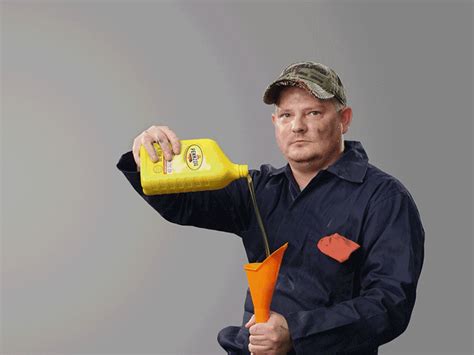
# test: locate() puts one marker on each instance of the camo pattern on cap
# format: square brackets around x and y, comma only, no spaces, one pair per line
[317,78]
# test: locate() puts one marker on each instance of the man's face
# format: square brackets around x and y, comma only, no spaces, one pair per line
[308,130]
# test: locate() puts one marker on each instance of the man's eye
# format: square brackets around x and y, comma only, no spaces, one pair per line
[285,115]
[315,113]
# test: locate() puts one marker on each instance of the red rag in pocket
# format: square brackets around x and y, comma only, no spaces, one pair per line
[337,247]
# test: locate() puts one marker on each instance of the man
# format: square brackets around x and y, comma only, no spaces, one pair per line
[347,282]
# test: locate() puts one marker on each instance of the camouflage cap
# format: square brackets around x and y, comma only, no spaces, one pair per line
[318,79]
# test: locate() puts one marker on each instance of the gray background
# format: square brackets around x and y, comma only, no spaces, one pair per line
[87,267]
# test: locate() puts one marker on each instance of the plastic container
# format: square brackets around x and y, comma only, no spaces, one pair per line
[201,165]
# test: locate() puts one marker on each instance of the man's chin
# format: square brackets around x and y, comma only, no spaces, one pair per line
[304,158]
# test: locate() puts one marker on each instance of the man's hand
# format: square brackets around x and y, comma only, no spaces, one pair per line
[270,338]
[162,135]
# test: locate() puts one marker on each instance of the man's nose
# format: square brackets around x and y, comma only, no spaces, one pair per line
[298,124]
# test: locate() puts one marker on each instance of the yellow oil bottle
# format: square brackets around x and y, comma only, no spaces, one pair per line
[201,165]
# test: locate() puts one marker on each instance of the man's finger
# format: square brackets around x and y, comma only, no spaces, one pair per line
[259,340]
[258,349]
[150,150]
[136,154]
[250,322]
[257,329]
[173,138]
[164,143]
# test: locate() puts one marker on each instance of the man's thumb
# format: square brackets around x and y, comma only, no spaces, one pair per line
[250,322]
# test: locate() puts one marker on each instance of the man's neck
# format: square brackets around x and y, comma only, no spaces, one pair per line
[304,172]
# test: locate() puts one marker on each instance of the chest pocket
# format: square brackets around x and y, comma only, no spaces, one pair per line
[333,279]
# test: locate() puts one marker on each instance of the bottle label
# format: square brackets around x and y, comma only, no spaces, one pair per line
[194,157]
[167,167]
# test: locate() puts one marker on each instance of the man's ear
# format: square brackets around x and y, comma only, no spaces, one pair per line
[346,118]
[274,118]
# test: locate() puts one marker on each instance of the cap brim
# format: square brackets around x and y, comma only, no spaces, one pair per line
[273,90]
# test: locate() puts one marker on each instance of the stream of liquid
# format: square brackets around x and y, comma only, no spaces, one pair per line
[257,214]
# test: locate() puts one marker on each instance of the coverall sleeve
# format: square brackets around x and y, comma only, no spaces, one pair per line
[393,246]
[218,210]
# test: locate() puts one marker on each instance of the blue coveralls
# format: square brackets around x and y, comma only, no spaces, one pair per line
[331,307]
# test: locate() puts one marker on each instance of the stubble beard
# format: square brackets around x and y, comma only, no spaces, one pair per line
[312,158]
[305,157]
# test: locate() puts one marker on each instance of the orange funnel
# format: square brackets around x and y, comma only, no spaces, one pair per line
[262,278]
